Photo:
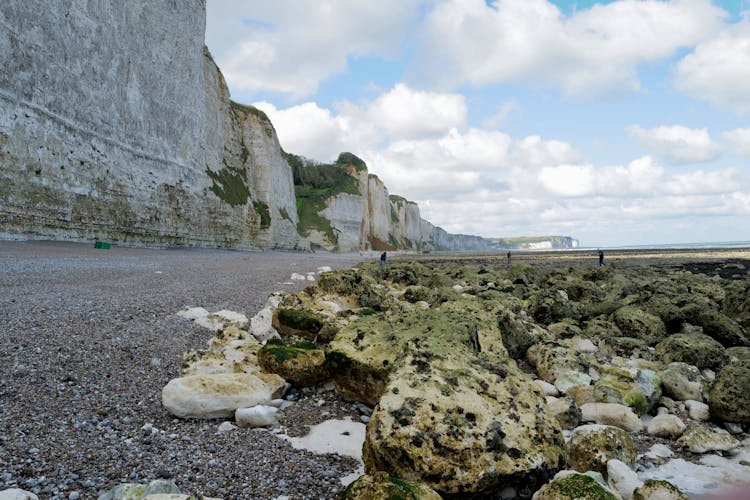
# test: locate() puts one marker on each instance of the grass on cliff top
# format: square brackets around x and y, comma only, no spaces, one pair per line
[314,184]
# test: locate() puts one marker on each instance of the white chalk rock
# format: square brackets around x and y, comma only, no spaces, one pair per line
[226,427]
[257,416]
[549,389]
[17,494]
[666,425]
[697,410]
[219,395]
[260,324]
[658,453]
[611,414]
[583,345]
[622,478]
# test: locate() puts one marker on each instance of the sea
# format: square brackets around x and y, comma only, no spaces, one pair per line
[677,246]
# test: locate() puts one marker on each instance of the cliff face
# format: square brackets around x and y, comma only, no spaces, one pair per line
[115,123]
[371,218]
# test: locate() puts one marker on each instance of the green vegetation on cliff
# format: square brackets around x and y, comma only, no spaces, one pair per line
[315,183]
[229,185]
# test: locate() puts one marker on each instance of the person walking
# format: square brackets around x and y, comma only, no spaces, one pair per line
[383,258]
[601,257]
[508,254]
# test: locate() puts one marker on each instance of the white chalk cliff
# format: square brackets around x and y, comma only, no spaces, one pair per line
[115,123]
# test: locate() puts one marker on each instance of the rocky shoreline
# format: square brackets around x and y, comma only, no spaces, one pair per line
[91,338]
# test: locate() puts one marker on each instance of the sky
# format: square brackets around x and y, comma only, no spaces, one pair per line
[618,123]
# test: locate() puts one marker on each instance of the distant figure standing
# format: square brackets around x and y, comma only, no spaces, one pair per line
[383,257]
[601,257]
[508,257]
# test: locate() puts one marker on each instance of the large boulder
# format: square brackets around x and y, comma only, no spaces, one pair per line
[682,382]
[552,359]
[613,414]
[219,395]
[702,439]
[637,323]
[638,389]
[519,333]
[300,363]
[716,324]
[729,395]
[692,348]
[380,485]
[591,446]
[364,353]
[464,427]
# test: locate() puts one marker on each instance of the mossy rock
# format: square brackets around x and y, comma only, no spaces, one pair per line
[636,323]
[625,347]
[465,427]
[417,293]
[601,327]
[380,485]
[552,359]
[665,308]
[551,306]
[364,352]
[575,486]
[300,363]
[658,489]
[299,322]
[682,381]
[729,395]
[640,390]
[564,329]
[716,325]
[692,348]
[738,354]
[591,446]
[354,283]
[518,333]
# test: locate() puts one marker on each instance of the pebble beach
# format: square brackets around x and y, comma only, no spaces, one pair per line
[90,337]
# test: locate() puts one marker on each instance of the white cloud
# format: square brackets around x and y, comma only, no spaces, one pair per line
[594,50]
[740,139]
[403,112]
[291,46]
[703,182]
[718,70]
[569,180]
[676,144]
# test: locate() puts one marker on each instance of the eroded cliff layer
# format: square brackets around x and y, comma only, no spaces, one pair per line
[115,123]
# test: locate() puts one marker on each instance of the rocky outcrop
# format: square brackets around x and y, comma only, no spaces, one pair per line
[117,124]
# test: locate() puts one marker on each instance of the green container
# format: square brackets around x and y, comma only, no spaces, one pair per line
[102,244]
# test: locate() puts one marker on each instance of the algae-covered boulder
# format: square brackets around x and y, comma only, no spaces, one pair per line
[464,427]
[364,352]
[551,359]
[601,327]
[665,308]
[682,382]
[702,439]
[638,389]
[625,347]
[692,348]
[292,321]
[657,489]
[636,323]
[591,446]
[716,325]
[570,485]
[380,485]
[355,283]
[729,395]
[519,333]
[551,306]
[300,363]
